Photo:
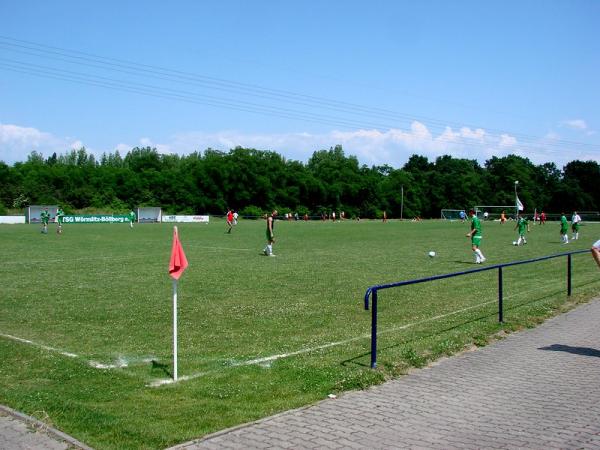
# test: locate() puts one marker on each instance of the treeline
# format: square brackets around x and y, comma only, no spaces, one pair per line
[254,181]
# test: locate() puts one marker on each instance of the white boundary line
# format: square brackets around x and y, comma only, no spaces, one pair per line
[268,359]
[35,344]
[121,362]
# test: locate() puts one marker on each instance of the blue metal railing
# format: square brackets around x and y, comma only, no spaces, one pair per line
[372,290]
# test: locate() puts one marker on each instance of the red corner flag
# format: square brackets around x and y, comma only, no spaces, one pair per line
[178,261]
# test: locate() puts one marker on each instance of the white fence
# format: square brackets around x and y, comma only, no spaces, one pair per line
[192,219]
[12,219]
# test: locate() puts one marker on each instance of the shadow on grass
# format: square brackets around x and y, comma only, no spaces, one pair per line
[468,263]
[585,351]
[355,360]
[162,367]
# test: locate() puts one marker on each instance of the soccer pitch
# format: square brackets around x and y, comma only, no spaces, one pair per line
[86,316]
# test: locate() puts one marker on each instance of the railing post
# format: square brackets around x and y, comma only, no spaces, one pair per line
[500,296]
[374,329]
[569,275]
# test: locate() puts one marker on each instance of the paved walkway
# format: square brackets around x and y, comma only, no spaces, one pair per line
[537,389]
[21,432]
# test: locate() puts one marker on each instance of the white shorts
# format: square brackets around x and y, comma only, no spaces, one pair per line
[597,244]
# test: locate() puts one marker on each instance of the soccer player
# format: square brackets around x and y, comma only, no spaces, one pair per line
[522,226]
[543,218]
[475,235]
[268,250]
[596,252]
[45,217]
[564,229]
[462,216]
[575,221]
[235,217]
[229,221]
[502,217]
[131,219]
[59,217]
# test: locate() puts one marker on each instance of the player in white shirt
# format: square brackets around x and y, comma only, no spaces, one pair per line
[575,221]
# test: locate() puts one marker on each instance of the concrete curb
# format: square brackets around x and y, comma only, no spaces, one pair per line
[41,426]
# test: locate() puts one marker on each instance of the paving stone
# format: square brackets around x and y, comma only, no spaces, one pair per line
[533,389]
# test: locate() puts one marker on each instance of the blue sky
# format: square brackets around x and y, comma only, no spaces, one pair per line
[385,79]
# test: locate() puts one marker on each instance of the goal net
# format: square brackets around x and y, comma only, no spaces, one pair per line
[494,212]
[33,213]
[453,214]
[149,214]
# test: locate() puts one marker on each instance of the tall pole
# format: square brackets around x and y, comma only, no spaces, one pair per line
[402,202]
[174,330]
[516,202]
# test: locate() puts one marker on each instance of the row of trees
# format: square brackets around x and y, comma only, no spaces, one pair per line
[253,181]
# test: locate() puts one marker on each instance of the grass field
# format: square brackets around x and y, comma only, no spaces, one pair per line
[257,335]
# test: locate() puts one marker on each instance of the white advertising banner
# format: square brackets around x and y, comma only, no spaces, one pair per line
[12,219]
[188,219]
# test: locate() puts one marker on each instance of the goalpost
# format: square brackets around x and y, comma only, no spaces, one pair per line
[452,214]
[494,211]
[149,214]
[33,213]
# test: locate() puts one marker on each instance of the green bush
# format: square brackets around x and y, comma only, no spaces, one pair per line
[251,211]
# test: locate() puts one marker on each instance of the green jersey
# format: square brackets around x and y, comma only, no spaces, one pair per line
[476,225]
[522,224]
[564,226]
[132,216]
[45,216]
[59,215]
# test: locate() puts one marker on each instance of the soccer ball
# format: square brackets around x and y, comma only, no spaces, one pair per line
[514,242]
[431,254]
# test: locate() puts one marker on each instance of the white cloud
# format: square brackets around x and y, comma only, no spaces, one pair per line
[507,141]
[76,145]
[17,142]
[392,147]
[478,134]
[147,142]
[576,124]
[370,146]
[123,148]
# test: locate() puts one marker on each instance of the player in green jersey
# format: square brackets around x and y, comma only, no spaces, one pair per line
[475,235]
[45,217]
[522,226]
[59,219]
[131,218]
[564,228]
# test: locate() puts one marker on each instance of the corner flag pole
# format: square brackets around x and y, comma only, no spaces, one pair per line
[516,201]
[402,201]
[177,265]
[174,330]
